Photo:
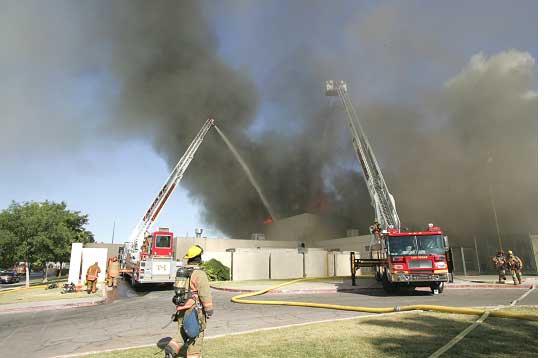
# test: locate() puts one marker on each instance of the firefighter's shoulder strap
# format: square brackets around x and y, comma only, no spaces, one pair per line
[188,271]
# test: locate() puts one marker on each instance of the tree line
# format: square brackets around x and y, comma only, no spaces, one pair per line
[40,232]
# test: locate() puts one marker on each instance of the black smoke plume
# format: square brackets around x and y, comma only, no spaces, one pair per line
[445,145]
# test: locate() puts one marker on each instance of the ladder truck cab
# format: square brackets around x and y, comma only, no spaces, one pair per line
[154,263]
[413,259]
[399,258]
[149,258]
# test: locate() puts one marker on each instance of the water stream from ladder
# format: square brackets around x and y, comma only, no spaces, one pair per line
[248,173]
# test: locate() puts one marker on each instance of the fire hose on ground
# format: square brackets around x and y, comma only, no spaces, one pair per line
[444,309]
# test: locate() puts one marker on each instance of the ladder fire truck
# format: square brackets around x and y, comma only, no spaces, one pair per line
[400,258]
[148,257]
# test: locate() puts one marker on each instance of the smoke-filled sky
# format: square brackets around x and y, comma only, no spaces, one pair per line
[100,99]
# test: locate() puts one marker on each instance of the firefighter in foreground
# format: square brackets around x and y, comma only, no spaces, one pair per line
[194,304]
[92,277]
[500,263]
[515,265]
[112,272]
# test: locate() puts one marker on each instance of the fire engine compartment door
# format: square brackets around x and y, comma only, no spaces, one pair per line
[161,268]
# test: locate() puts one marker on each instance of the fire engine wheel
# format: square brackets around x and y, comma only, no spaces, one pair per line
[439,286]
[133,281]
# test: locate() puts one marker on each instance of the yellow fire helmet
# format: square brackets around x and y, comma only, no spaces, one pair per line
[194,251]
[510,252]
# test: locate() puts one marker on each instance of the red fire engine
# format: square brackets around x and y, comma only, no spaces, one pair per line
[400,258]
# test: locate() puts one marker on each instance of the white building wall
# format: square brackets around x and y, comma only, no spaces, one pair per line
[182,244]
[91,255]
[357,243]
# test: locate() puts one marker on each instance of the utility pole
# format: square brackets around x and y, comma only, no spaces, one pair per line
[495,216]
[491,194]
[113,232]
[476,254]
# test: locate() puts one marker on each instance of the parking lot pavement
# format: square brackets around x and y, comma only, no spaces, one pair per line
[139,320]
[34,277]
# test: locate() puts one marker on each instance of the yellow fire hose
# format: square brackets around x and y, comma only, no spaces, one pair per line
[445,309]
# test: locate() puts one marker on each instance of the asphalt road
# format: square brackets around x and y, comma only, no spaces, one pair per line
[139,318]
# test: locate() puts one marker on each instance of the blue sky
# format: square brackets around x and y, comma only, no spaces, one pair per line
[114,179]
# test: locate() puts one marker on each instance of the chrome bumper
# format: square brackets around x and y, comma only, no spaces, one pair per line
[418,277]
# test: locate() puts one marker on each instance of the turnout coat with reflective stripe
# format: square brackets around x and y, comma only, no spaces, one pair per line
[92,272]
[113,269]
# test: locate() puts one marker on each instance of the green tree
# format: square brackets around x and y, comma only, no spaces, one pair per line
[40,232]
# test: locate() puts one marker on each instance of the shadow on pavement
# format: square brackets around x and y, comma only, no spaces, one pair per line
[371,287]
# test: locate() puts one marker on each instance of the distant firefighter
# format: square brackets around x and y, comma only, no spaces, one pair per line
[500,263]
[515,265]
[92,277]
[113,272]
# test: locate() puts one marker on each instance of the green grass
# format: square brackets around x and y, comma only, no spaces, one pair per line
[521,309]
[406,335]
[39,282]
[41,294]
[500,338]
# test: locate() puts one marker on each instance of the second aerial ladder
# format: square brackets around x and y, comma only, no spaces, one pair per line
[148,257]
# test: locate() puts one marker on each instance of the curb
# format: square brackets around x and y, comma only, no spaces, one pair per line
[50,307]
[363,289]
[39,306]
[493,286]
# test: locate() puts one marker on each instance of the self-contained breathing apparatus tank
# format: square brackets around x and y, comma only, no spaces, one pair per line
[181,292]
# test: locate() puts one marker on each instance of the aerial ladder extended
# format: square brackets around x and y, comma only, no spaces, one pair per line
[400,258]
[382,200]
[138,250]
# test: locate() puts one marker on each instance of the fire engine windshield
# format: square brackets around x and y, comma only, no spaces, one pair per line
[403,245]
[416,245]
[431,244]
[163,241]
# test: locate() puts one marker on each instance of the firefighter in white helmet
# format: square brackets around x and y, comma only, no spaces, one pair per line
[192,299]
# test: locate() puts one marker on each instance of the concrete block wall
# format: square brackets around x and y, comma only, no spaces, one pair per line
[339,263]
[342,263]
[286,265]
[251,265]
[316,263]
[251,257]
